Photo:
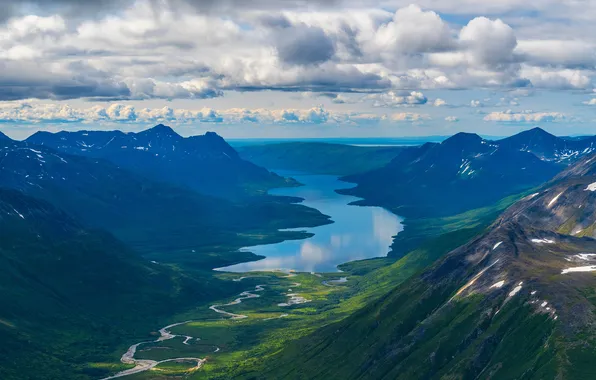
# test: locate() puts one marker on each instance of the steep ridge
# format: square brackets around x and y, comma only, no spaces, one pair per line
[153,216]
[549,147]
[71,293]
[204,163]
[517,302]
[461,173]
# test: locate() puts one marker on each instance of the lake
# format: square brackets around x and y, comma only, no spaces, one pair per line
[357,232]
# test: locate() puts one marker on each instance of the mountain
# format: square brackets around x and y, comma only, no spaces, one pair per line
[154,217]
[320,158]
[549,147]
[516,302]
[71,294]
[461,173]
[204,163]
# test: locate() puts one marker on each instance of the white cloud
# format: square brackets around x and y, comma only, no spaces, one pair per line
[451,119]
[397,98]
[488,42]
[439,102]
[525,116]
[409,116]
[413,30]
[557,78]
[591,102]
[147,49]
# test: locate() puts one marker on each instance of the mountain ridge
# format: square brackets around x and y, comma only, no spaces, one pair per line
[205,163]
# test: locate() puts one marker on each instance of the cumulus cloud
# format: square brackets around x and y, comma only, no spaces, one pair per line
[528,116]
[558,79]
[303,45]
[196,49]
[451,119]
[439,102]
[409,116]
[591,102]
[413,30]
[397,98]
[34,113]
[488,42]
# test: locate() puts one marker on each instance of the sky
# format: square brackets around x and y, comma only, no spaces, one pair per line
[298,68]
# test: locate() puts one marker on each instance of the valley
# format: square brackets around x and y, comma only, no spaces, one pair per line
[318,275]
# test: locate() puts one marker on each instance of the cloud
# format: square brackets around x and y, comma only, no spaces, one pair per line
[451,119]
[397,98]
[488,42]
[412,31]
[558,79]
[189,49]
[303,45]
[510,116]
[591,102]
[476,103]
[409,116]
[36,113]
[439,102]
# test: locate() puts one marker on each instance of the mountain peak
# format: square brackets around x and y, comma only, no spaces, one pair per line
[161,129]
[213,135]
[463,138]
[535,133]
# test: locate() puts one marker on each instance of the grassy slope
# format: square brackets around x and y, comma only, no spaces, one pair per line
[418,230]
[319,158]
[65,286]
[250,347]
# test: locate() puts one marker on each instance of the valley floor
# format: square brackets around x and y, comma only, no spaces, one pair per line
[229,338]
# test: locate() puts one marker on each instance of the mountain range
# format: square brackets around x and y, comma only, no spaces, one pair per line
[461,173]
[141,211]
[104,235]
[515,302]
[204,163]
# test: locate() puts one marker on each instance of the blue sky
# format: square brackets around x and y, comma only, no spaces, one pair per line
[298,69]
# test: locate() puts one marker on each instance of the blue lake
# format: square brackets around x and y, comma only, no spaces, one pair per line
[357,232]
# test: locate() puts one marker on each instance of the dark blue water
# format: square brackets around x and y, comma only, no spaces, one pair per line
[358,232]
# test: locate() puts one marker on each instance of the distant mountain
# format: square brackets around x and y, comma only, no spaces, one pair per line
[320,158]
[204,163]
[152,216]
[516,302]
[69,291]
[461,173]
[549,147]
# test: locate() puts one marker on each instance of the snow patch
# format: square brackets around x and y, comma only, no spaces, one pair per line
[589,268]
[497,245]
[543,241]
[515,290]
[552,201]
[498,284]
[591,187]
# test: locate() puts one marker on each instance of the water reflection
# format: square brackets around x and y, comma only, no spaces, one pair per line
[358,232]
